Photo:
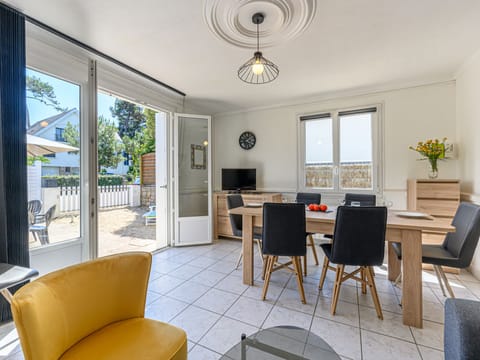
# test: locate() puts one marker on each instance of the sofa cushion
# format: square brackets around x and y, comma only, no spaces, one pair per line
[137,338]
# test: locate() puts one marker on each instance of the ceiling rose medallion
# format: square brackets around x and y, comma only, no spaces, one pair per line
[284,20]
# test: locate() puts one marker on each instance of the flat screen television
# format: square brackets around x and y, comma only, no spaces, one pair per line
[239,179]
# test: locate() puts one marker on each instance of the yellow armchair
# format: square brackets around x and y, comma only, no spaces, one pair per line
[94,310]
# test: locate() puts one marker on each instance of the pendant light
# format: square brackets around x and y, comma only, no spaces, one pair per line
[258,70]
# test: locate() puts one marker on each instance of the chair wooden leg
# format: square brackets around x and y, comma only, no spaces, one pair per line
[364,278]
[324,273]
[445,280]
[260,253]
[312,244]
[264,269]
[373,290]
[270,261]
[298,272]
[439,278]
[336,288]
[239,259]
[304,265]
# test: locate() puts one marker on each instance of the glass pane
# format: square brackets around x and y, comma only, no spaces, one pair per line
[356,151]
[192,167]
[127,217]
[319,153]
[53,155]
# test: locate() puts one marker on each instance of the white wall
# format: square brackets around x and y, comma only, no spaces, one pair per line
[468,129]
[410,115]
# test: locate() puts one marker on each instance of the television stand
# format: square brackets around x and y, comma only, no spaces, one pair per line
[221,219]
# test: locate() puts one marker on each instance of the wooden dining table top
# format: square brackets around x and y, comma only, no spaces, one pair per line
[393,221]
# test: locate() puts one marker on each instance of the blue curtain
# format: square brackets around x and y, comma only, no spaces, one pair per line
[13,155]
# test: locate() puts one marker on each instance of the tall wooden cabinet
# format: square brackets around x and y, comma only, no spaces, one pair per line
[438,197]
[221,219]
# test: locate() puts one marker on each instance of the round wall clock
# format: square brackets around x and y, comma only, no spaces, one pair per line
[247,140]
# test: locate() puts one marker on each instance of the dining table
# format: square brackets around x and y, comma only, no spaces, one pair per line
[405,230]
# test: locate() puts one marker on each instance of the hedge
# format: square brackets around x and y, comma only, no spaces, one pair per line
[74,180]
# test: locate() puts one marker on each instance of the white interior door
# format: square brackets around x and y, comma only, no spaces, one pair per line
[161,179]
[192,179]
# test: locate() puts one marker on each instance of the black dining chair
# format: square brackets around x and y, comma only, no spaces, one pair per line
[234,201]
[457,249]
[284,235]
[40,231]
[360,199]
[307,199]
[358,240]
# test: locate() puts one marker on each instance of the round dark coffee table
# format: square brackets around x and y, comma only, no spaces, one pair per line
[281,342]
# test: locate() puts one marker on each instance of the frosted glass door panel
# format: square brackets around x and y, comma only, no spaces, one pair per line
[192,167]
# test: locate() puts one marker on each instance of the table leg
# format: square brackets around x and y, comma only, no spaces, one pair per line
[247,246]
[412,296]
[393,263]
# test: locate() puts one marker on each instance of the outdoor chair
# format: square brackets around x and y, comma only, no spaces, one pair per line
[307,199]
[234,201]
[284,235]
[94,310]
[358,240]
[40,231]
[457,249]
[151,215]
[34,207]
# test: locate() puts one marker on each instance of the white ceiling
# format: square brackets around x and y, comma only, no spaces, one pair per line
[350,45]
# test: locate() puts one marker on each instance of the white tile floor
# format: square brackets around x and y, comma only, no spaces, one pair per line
[198,289]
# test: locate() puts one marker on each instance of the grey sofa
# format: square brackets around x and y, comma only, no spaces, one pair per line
[462,329]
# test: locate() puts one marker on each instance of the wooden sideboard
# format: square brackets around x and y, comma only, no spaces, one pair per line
[221,219]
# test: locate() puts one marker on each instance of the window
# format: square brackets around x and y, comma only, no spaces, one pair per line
[340,151]
[59,134]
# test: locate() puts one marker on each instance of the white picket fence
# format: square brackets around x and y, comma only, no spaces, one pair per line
[108,196]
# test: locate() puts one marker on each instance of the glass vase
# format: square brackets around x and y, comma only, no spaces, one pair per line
[433,169]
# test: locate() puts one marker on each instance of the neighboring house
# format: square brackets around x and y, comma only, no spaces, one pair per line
[65,163]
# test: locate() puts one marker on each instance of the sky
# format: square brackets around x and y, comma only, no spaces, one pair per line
[68,95]
[355,139]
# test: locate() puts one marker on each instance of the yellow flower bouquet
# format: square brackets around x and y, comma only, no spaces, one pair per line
[431,150]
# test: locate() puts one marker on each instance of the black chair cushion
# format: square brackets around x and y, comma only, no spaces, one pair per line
[431,254]
[327,249]
[284,229]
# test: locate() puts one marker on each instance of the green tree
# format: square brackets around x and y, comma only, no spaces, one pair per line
[71,135]
[130,118]
[134,147]
[42,91]
[110,147]
[149,140]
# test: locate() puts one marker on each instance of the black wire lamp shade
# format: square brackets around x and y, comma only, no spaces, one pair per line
[258,70]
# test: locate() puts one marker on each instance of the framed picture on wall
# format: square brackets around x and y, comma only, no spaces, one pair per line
[198,157]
